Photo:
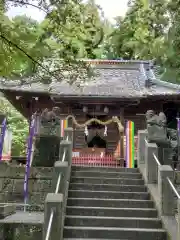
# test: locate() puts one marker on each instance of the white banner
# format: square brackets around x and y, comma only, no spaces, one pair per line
[6,154]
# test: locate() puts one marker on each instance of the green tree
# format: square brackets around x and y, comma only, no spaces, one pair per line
[71,30]
[18,125]
[140,35]
[172,60]
[24,33]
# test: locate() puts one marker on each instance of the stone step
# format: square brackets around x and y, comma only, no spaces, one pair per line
[117,203]
[114,233]
[112,212]
[98,180]
[108,187]
[105,169]
[125,175]
[89,239]
[121,222]
[108,194]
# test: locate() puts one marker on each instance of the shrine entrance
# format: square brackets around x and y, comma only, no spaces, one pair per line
[97,142]
[95,135]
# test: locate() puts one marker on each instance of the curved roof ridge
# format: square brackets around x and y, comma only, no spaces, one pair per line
[163,83]
[114,61]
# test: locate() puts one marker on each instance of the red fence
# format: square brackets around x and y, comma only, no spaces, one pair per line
[96,160]
[91,159]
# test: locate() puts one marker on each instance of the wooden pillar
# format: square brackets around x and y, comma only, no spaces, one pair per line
[122,134]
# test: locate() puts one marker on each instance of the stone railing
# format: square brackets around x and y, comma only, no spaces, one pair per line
[160,181]
[55,203]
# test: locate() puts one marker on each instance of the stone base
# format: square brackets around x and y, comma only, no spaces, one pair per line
[6,210]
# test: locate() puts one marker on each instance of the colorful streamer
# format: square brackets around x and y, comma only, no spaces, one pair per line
[130,144]
[3,131]
[28,161]
[63,126]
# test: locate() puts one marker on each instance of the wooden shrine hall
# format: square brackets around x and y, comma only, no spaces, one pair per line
[123,89]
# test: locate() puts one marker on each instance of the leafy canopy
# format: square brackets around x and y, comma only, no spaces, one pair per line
[71,30]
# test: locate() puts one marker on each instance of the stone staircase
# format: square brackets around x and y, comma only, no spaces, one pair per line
[110,203]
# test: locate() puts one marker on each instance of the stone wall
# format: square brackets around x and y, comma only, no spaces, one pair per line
[12,181]
[177,177]
[177,180]
[21,231]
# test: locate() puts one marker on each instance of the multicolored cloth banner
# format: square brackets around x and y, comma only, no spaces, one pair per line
[130,144]
[3,132]
[64,124]
[28,161]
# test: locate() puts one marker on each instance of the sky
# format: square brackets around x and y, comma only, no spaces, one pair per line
[111,8]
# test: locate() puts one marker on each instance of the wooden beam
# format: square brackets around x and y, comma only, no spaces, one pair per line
[122,134]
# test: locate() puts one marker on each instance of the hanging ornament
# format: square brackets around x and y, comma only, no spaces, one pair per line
[86,131]
[105,131]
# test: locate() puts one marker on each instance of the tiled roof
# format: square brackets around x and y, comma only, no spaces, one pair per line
[113,78]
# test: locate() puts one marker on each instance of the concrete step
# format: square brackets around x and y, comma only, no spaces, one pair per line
[105,169]
[107,187]
[112,212]
[121,222]
[125,175]
[117,203]
[98,180]
[108,194]
[114,233]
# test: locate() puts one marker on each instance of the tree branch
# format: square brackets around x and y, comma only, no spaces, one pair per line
[27,55]
[21,2]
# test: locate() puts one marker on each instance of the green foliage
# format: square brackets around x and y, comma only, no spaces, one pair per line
[71,30]
[18,125]
[140,35]
[76,29]
[150,30]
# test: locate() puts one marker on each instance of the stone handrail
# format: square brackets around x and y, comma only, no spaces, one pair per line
[55,203]
[160,181]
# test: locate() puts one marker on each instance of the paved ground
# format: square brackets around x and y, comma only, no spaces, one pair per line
[25,218]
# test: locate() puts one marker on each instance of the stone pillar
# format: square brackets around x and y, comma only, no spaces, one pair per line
[60,169]
[66,146]
[54,203]
[151,166]
[165,191]
[178,221]
[68,132]
[142,134]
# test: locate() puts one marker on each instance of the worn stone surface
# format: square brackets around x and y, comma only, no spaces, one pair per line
[18,231]
[6,210]
[12,171]
[12,181]
[177,177]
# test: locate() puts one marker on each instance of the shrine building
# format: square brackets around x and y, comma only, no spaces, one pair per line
[125,89]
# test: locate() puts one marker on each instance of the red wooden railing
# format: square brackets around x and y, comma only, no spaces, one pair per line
[96,160]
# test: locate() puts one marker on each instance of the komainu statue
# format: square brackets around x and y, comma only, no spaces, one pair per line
[47,143]
[156,127]
[166,138]
[50,122]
